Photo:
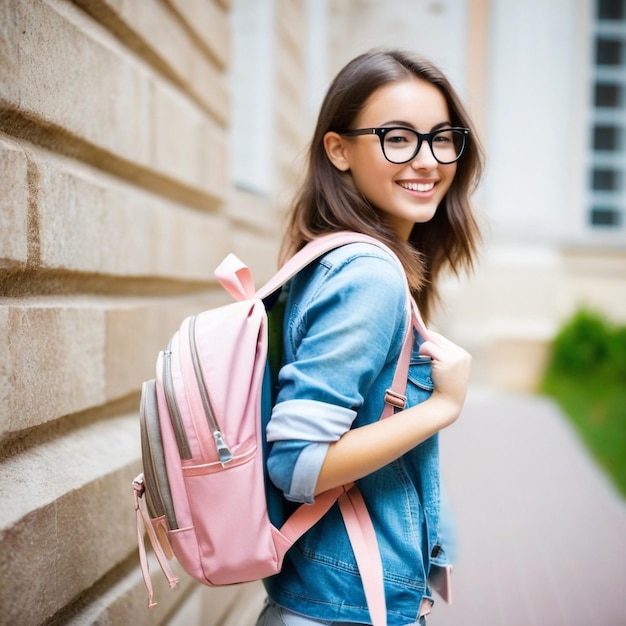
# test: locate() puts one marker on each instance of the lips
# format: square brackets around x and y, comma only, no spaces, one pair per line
[421,187]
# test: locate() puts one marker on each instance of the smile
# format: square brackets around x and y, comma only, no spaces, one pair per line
[417,186]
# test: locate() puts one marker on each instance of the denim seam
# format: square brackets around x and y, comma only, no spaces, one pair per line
[299,321]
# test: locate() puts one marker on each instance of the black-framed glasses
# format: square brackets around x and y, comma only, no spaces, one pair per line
[401,144]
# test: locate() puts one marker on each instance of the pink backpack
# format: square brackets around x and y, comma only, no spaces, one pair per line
[202,439]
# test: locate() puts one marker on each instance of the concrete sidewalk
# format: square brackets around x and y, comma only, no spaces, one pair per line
[542,532]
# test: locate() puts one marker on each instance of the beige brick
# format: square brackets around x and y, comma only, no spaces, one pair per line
[175,52]
[255,211]
[55,361]
[208,606]
[247,607]
[69,355]
[126,601]
[64,515]
[259,254]
[13,204]
[196,153]
[121,109]
[91,222]
[209,22]
[5,365]
[190,604]
[291,28]
[136,332]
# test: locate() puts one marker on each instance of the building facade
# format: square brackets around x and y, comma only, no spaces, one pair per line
[117,204]
[140,142]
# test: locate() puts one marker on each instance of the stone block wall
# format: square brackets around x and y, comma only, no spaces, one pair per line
[116,206]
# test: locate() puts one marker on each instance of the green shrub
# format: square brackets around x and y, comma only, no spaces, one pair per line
[582,346]
[616,357]
[586,375]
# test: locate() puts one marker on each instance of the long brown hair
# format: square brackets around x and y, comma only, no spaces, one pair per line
[328,201]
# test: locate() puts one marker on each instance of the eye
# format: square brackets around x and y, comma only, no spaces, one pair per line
[444,137]
[399,137]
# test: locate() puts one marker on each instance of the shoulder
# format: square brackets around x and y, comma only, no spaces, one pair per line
[354,276]
[364,262]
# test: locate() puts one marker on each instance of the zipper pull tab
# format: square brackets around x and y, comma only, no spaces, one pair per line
[223,453]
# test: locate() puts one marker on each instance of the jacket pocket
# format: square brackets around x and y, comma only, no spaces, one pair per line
[420,383]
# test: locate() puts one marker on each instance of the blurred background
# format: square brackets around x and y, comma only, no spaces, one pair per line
[143,140]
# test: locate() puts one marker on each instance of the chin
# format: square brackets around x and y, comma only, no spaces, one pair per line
[425,216]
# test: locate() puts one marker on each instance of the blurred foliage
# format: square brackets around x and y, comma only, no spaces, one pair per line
[586,375]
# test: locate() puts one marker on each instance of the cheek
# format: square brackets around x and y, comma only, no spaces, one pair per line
[371,177]
[448,174]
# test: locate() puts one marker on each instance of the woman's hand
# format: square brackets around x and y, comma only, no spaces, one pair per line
[363,450]
[450,371]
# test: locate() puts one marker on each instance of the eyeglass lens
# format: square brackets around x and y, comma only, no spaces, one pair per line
[400,145]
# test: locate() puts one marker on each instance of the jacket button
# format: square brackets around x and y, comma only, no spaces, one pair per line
[435,552]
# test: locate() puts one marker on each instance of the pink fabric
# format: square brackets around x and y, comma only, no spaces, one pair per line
[364,543]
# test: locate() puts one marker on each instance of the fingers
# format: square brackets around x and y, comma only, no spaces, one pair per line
[439,347]
[433,350]
[451,366]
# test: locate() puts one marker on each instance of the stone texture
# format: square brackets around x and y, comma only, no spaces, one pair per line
[209,23]
[13,205]
[175,54]
[114,162]
[137,331]
[91,222]
[55,361]
[259,254]
[74,218]
[64,515]
[238,605]
[66,355]
[247,608]
[5,366]
[126,600]
[124,112]
[294,124]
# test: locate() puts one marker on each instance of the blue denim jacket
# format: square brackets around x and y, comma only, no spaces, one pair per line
[343,330]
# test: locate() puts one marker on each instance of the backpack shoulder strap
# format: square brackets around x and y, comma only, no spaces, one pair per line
[320,246]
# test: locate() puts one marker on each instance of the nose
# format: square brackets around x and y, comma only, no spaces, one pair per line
[424,158]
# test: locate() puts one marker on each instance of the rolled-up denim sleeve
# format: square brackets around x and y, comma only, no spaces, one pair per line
[340,340]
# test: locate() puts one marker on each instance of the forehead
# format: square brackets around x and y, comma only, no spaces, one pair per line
[412,101]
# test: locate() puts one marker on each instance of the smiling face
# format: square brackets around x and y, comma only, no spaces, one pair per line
[408,193]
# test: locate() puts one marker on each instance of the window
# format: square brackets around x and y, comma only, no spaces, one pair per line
[608,95]
[603,216]
[606,204]
[611,10]
[606,138]
[605,180]
[252,86]
[609,52]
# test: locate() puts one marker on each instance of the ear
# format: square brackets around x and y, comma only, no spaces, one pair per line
[336,151]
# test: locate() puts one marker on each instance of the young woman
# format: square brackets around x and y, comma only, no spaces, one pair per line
[393,156]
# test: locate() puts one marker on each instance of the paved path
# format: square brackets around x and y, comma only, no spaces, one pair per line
[542,533]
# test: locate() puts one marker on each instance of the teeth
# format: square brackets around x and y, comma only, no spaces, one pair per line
[418,186]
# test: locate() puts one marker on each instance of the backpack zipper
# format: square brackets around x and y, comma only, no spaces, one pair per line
[223,452]
[153,502]
[168,388]
[157,484]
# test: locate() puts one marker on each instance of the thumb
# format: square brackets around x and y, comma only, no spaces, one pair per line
[431,349]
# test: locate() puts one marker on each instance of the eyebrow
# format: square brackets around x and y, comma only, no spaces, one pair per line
[445,124]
